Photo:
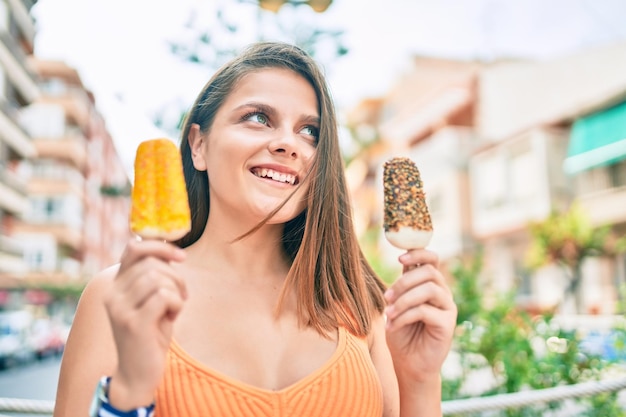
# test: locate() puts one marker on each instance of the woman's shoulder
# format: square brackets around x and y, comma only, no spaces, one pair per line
[95,289]
[103,278]
[90,349]
[91,320]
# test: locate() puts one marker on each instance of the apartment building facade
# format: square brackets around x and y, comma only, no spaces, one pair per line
[77,185]
[501,145]
[18,89]
[65,214]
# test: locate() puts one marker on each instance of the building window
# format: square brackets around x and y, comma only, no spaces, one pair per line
[35,261]
[617,174]
[63,209]
[493,183]
[523,175]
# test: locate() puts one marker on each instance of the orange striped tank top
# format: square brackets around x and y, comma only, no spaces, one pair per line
[347,385]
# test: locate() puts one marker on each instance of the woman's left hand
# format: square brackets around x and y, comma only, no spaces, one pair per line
[421,316]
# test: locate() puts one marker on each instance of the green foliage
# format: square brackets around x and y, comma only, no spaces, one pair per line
[369,244]
[620,245]
[467,291]
[115,190]
[562,363]
[69,291]
[620,308]
[605,405]
[504,343]
[522,352]
[566,238]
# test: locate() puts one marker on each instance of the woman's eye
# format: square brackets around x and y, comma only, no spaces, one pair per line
[311,131]
[257,117]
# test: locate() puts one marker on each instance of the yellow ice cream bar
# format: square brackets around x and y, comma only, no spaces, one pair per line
[406,222]
[160,209]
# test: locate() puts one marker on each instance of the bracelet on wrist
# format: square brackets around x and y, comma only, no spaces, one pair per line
[101,407]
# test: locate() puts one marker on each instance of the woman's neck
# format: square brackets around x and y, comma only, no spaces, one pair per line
[258,254]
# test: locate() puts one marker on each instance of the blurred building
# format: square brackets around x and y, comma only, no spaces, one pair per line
[18,90]
[77,222]
[502,144]
[64,190]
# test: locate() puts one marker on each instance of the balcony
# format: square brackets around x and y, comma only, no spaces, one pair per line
[605,207]
[74,102]
[49,178]
[68,149]
[46,260]
[12,192]
[11,200]
[602,192]
[11,178]
[14,136]
[11,256]
[76,109]
[12,59]
[65,234]
[57,216]
[24,21]
[53,138]
[55,186]
[511,184]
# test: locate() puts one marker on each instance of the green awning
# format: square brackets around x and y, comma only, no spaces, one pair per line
[597,140]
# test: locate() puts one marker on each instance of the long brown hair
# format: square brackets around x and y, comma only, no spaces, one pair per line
[332,280]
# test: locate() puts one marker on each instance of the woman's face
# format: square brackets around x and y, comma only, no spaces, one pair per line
[260,146]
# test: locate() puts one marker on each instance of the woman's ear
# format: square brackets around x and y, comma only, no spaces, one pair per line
[196,144]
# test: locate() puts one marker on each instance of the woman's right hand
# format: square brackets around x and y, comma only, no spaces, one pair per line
[144,300]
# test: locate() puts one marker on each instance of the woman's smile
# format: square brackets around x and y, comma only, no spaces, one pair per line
[275,176]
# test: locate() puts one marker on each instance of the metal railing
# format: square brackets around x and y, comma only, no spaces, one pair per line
[22,406]
[476,404]
[523,398]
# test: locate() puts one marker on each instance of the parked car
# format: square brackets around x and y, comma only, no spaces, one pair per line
[610,344]
[48,338]
[16,338]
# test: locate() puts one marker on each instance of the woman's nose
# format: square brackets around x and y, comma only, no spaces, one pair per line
[285,144]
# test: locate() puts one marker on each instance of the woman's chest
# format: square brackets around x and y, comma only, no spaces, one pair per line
[345,385]
[250,344]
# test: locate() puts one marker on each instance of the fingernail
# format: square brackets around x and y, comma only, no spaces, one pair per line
[389,295]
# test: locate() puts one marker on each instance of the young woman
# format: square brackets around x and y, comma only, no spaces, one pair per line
[267,307]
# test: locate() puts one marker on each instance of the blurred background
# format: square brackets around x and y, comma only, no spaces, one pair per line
[514,111]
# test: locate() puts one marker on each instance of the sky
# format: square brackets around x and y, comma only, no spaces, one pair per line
[120,47]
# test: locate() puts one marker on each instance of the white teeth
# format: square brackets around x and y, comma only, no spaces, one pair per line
[276,176]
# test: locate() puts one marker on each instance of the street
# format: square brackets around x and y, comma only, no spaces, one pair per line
[35,381]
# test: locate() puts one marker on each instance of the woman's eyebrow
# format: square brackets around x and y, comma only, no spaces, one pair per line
[314,120]
[265,108]
[271,111]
